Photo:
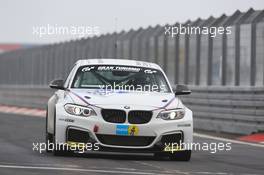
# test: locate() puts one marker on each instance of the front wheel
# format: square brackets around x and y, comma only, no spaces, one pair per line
[49,142]
[48,136]
[181,155]
[62,150]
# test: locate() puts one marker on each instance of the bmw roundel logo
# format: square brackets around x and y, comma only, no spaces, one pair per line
[127,107]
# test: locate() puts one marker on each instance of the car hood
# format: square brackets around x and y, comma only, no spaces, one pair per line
[102,98]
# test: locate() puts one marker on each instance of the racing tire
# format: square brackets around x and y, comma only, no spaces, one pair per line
[181,155]
[48,136]
[61,151]
[160,155]
[49,142]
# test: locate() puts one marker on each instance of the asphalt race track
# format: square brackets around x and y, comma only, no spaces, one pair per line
[17,134]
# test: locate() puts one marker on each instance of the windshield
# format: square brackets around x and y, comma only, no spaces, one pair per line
[112,77]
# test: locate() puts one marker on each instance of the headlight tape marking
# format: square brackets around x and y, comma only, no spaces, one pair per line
[82,99]
[164,107]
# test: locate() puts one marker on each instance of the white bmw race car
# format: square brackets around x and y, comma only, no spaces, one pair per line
[118,105]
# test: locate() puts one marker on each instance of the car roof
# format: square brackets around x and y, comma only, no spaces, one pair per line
[121,62]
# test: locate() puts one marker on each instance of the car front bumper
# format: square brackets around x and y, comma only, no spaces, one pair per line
[155,131]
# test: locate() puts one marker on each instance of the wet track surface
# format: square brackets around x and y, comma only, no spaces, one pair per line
[17,133]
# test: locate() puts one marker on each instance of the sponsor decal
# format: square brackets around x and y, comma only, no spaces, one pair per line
[133,130]
[118,68]
[149,71]
[126,130]
[86,69]
[184,125]
[111,68]
[66,120]
[122,129]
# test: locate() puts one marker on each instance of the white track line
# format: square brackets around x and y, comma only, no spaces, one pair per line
[78,169]
[227,140]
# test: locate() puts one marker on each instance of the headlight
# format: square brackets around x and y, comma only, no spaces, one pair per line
[173,114]
[79,110]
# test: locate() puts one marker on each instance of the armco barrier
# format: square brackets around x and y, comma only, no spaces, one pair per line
[221,109]
[227,109]
[25,96]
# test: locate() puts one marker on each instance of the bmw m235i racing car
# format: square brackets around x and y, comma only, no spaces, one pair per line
[118,105]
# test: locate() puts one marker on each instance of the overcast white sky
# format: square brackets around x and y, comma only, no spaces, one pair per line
[18,17]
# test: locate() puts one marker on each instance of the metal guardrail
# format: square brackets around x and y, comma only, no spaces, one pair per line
[227,109]
[25,96]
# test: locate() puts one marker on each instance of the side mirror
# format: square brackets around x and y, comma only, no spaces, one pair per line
[57,84]
[182,90]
